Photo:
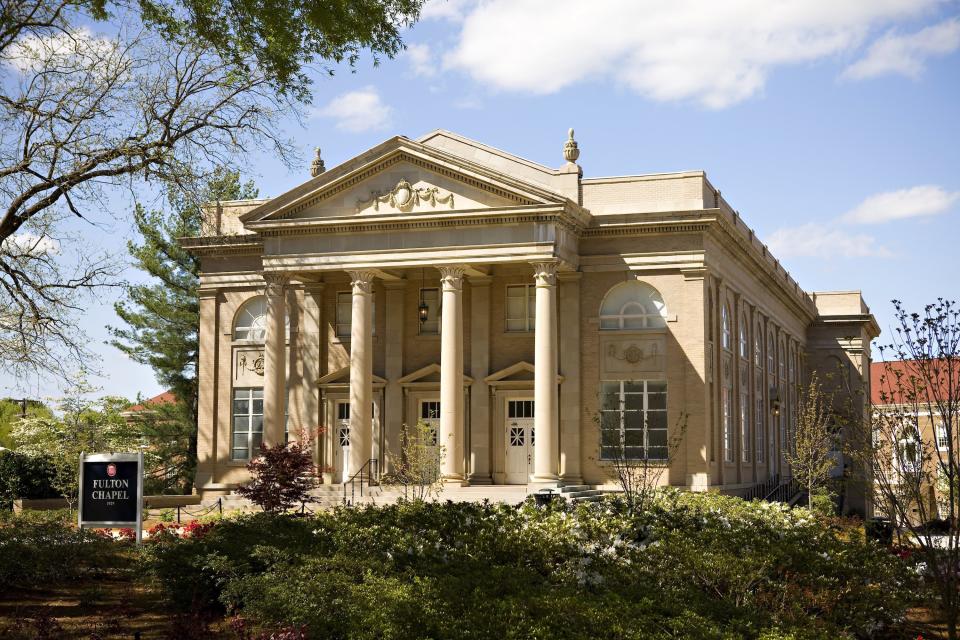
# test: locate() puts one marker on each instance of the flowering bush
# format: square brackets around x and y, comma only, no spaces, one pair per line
[691,565]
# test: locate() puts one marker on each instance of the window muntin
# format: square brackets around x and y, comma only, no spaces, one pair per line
[758,425]
[771,354]
[520,409]
[781,361]
[247,427]
[633,420]
[727,410]
[344,315]
[943,442]
[431,298]
[744,338]
[521,307]
[633,305]
[744,424]
[726,338]
[250,323]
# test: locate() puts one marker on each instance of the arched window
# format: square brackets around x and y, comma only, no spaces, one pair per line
[250,322]
[633,305]
[782,361]
[771,354]
[726,339]
[744,337]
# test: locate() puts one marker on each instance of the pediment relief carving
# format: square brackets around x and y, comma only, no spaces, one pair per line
[632,354]
[406,197]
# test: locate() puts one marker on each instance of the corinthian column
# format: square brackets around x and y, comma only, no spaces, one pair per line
[546,462]
[361,372]
[451,372]
[275,359]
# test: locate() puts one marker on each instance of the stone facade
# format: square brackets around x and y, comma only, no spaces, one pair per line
[553,298]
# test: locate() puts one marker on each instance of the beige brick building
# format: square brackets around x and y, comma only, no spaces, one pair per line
[636,302]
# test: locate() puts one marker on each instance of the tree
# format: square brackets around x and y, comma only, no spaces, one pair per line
[86,426]
[638,468]
[163,318]
[418,470]
[283,475]
[10,413]
[810,455]
[920,390]
[175,89]
[170,431]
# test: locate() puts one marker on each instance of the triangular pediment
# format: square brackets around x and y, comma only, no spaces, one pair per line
[402,177]
[429,374]
[520,372]
[342,376]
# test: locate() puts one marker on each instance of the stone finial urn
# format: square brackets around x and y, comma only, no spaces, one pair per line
[570,150]
[317,167]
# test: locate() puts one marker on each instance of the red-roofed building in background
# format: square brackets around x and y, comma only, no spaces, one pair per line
[901,390]
[166,397]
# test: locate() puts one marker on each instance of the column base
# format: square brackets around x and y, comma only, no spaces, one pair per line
[571,480]
[453,479]
[536,484]
[479,479]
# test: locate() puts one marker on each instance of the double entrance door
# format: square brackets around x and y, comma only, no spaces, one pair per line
[520,441]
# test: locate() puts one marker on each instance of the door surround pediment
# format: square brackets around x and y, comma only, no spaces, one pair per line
[519,375]
[341,378]
[427,377]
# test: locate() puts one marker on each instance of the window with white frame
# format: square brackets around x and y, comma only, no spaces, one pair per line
[247,423]
[757,348]
[633,305]
[758,422]
[250,323]
[907,455]
[782,359]
[344,314]
[521,307]
[943,442]
[430,298]
[727,414]
[771,353]
[633,420]
[726,339]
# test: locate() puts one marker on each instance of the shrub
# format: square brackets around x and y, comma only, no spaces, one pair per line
[283,476]
[44,548]
[24,477]
[690,566]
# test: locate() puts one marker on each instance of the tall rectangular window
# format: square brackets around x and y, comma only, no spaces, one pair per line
[744,426]
[943,442]
[727,410]
[247,423]
[430,298]
[521,307]
[758,425]
[633,420]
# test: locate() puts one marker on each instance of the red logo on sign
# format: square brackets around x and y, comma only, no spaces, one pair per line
[111,469]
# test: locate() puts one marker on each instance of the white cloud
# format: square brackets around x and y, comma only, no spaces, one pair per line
[32,244]
[714,53]
[906,54]
[926,200]
[452,10]
[815,240]
[79,47]
[358,111]
[421,60]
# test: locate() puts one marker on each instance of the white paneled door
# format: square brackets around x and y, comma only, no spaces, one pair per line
[519,439]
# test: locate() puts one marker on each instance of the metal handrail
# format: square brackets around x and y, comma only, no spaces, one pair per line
[372,477]
[761,490]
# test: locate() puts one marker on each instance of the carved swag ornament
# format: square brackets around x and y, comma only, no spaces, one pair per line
[256,366]
[632,354]
[405,197]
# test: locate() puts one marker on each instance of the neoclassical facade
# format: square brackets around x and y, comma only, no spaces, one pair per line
[530,314]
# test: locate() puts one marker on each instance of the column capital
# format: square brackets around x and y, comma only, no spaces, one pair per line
[275,282]
[451,277]
[545,272]
[362,281]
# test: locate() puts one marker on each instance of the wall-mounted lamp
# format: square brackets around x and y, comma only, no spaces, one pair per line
[775,402]
[423,310]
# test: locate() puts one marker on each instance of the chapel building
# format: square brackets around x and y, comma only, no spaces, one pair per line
[519,309]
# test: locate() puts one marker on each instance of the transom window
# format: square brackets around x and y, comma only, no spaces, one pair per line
[633,419]
[431,298]
[247,423]
[520,409]
[521,307]
[251,321]
[633,305]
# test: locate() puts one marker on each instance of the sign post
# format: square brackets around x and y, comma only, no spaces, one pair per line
[111,491]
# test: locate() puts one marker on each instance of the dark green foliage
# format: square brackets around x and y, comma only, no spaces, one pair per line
[24,477]
[692,566]
[43,548]
[170,430]
[163,317]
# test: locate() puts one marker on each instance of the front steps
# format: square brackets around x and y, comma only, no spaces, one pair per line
[329,496]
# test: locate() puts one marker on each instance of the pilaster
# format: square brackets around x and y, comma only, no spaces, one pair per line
[393,370]
[569,365]
[480,435]
[275,359]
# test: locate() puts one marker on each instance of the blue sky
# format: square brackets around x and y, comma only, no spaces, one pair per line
[831,126]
